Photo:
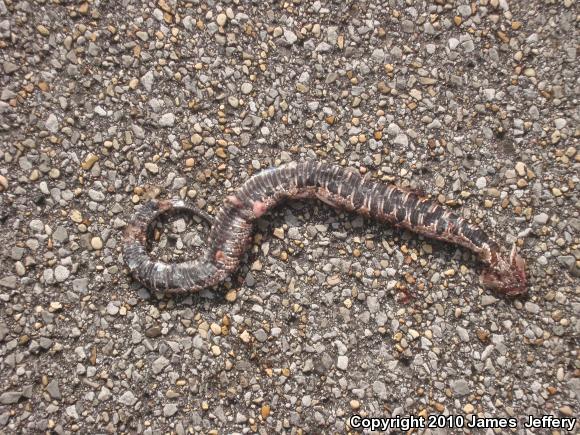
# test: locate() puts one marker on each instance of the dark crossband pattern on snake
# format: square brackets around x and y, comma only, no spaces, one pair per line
[342,188]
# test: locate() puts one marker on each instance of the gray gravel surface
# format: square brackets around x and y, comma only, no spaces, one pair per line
[106,104]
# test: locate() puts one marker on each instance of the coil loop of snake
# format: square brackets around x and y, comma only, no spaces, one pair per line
[339,187]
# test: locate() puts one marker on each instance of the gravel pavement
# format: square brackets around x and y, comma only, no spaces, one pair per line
[104,104]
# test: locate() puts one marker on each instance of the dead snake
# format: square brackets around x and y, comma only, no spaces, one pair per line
[340,187]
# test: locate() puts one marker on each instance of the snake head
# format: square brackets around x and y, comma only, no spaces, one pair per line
[507,276]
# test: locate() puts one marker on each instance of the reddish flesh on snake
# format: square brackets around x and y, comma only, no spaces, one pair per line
[341,188]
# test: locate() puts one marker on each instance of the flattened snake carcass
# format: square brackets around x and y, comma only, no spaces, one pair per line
[339,187]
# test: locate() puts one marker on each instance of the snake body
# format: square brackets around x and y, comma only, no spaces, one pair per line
[339,187]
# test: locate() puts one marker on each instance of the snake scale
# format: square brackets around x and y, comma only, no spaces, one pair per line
[339,187]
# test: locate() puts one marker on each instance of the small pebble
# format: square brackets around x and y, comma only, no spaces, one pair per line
[97,243]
